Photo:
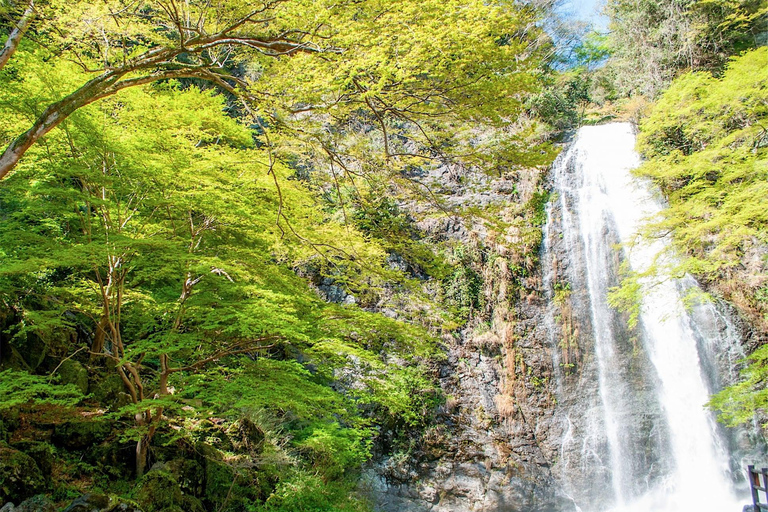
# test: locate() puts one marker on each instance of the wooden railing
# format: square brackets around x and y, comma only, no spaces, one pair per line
[758,487]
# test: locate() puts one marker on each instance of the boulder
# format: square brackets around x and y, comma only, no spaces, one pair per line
[41,452]
[72,372]
[110,390]
[160,491]
[20,476]
[79,434]
[29,354]
[91,502]
[94,502]
[37,503]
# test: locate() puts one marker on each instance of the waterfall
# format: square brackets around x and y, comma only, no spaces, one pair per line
[636,434]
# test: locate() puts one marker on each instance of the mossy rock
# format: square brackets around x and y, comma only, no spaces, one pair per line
[38,503]
[95,502]
[91,502]
[72,372]
[112,455]
[28,354]
[80,434]
[190,474]
[110,390]
[5,432]
[160,491]
[41,452]
[20,476]
[218,476]
[11,418]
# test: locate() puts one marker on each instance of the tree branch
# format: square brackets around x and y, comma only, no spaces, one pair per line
[163,62]
[9,48]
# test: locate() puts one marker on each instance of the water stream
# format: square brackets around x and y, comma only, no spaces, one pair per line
[637,436]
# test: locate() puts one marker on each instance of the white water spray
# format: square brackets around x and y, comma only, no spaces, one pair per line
[601,202]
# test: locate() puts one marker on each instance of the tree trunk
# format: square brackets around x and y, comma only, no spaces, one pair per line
[99,337]
[9,48]
[142,456]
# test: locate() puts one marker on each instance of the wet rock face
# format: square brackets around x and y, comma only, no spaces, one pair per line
[489,447]
[475,457]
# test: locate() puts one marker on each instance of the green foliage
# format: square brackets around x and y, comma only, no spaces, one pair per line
[651,41]
[592,51]
[740,403]
[307,492]
[628,296]
[706,146]
[162,223]
[464,288]
[537,207]
[20,387]
[153,236]
[381,218]
[562,104]
[706,149]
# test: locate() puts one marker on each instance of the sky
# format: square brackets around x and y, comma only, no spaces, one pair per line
[587,10]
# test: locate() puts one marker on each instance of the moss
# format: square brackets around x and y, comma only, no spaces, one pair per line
[110,390]
[72,372]
[41,452]
[20,476]
[38,503]
[80,434]
[160,491]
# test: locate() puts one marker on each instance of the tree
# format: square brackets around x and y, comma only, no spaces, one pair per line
[136,44]
[165,234]
[653,41]
[355,55]
[705,145]
[154,241]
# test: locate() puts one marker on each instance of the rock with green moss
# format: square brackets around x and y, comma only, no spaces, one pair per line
[41,452]
[72,372]
[160,491]
[189,473]
[92,502]
[79,434]
[20,476]
[110,390]
[95,502]
[38,503]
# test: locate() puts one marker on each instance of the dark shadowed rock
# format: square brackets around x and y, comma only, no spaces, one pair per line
[80,434]
[20,476]
[37,503]
[94,502]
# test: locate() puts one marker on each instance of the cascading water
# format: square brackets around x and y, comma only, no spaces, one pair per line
[636,433]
